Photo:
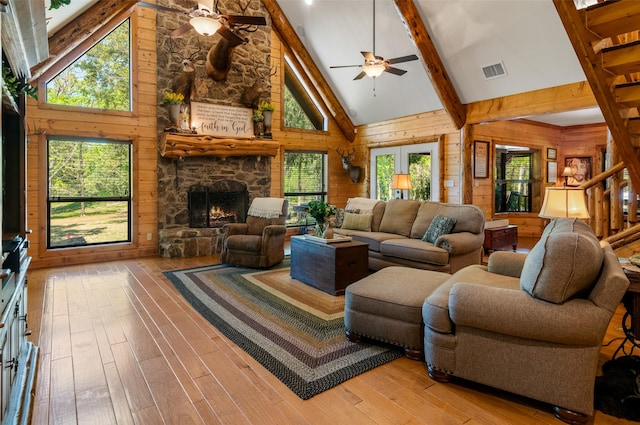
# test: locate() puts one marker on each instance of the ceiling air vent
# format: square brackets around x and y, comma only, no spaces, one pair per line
[494,71]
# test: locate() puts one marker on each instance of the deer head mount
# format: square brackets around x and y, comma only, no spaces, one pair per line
[262,82]
[185,82]
[352,170]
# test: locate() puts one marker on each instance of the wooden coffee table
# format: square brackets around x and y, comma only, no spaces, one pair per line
[329,267]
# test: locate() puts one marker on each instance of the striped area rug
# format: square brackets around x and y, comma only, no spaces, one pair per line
[295,331]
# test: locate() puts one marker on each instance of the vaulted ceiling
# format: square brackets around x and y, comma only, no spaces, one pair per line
[525,37]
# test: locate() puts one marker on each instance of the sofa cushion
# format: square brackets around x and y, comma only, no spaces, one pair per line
[439,226]
[340,212]
[374,239]
[357,221]
[399,215]
[414,250]
[469,218]
[565,262]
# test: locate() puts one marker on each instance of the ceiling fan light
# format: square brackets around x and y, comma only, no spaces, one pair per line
[373,70]
[205,26]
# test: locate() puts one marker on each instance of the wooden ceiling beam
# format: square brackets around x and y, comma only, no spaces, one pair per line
[432,62]
[80,29]
[569,97]
[291,39]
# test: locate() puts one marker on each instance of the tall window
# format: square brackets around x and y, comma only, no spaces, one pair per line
[305,180]
[101,78]
[300,109]
[514,179]
[89,192]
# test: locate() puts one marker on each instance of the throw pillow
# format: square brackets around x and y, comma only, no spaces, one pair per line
[357,221]
[340,215]
[439,226]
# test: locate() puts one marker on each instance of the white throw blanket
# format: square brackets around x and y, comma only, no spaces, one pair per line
[266,207]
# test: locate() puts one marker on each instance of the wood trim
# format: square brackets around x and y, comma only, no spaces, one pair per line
[291,39]
[432,62]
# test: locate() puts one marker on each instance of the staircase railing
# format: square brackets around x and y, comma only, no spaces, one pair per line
[613,206]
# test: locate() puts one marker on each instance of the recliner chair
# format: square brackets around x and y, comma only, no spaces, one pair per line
[258,243]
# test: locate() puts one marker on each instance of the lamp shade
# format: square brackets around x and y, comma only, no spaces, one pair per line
[567,172]
[401,182]
[564,202]
[204,25]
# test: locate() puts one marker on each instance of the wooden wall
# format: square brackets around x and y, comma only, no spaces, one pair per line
[139,126]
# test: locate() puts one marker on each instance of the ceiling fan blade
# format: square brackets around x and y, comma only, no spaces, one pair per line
[245,20]
[395,71]
[230,35]
[181,30]
[403,59]
[360,76]
[163,8]
[345,66]
[368,56]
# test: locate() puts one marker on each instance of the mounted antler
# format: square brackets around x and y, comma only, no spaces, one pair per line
[251,95]
[219,56]
[185,82]
[352,170]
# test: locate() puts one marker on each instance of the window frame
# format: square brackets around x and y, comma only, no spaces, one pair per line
[49,200]
[304,96]
[322,195]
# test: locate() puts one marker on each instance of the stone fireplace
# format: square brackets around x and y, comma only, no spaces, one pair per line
[176,179]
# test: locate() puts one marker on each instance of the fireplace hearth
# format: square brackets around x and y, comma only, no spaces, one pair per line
[225,201]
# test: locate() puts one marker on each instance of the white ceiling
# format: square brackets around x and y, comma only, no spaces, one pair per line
[525,35]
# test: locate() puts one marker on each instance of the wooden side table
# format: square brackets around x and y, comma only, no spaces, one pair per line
[329,267]
[499,237]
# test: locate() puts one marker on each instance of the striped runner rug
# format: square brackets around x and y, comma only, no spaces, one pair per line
[295,331]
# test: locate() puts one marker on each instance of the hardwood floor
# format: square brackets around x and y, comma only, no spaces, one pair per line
[120,346]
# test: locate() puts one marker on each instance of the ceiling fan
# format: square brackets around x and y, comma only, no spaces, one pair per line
[374,65]
[207,20]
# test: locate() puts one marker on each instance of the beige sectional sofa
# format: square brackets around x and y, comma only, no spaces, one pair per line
[395,230]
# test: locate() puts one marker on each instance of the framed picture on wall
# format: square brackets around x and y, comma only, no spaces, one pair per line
[552,154]
[580,169]
[552,172]
[481,160]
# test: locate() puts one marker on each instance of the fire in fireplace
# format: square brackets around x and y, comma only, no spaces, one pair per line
[223,202]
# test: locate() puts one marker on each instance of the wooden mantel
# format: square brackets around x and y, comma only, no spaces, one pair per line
[181,145]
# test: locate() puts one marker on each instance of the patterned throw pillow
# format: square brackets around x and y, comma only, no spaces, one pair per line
[439,226]
[340,215]
[357,221]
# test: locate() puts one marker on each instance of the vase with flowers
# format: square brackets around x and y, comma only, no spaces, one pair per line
[321,212]
[173,102]
[266,109]
[258,123]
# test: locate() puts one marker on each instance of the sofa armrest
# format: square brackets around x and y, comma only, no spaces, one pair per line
[516,313]
[460,243]
[235,229]
[506,263]
[272,238]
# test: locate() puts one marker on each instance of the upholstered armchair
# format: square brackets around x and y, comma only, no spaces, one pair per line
[259,242]
[529,324]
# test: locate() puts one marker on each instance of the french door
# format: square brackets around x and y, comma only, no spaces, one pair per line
[419,161]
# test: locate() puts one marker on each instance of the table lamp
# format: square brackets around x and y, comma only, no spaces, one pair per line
[564,202]
[401,182]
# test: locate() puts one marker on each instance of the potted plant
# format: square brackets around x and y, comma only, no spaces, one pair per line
[321,212]
[173,101]
[266,108]
[258,123]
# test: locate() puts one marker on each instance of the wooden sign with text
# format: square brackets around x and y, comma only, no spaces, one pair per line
[222,121]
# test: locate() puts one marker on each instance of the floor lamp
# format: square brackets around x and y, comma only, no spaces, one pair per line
[401,182]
